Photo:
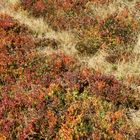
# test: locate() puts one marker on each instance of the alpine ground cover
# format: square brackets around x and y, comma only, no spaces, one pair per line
[54,96]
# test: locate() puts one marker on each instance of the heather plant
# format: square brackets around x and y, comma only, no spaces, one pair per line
[102,2]
[118,29]
[13,54]
[116,34]
[19,60]
[55,113]
[69,75]
[119,33]
[61,15]
[47,98]
[43,7]
[55,97]
[120,56]
[37,7]
[88,47]
[69,103]
[47,42]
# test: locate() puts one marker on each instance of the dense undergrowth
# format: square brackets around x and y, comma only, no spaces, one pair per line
[55,97]
[63,15]
[115,33]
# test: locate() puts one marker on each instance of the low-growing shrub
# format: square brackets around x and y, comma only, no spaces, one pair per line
[61,15]
[88,47]
[56,113]
[47,42]
[43,7]
[120,56]
[115,33]
[55,97]
[17,48]
[119,29]
[102,2]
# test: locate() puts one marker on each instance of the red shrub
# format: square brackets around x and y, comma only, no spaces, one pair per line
[102,1]
[17,47]
[54,97]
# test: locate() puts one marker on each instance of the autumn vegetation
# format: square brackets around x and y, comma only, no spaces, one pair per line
[54,96]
